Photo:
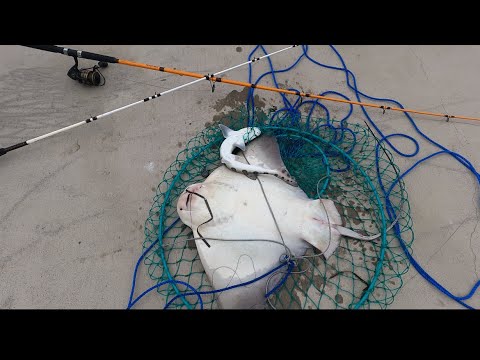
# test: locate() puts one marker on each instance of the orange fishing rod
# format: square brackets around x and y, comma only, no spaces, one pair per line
[92,56]
[212,78]
[291,92]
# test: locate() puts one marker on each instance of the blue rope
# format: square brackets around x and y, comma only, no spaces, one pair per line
[131,302]
[293,110]
[134,280]
[390,210]
[290,266]
[250,98]
[280,284]
[195,292]
[295,114]
[392,216]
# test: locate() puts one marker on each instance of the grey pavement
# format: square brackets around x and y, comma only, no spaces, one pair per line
[73,207]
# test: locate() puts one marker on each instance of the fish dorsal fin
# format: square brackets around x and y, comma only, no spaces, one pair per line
[226,131]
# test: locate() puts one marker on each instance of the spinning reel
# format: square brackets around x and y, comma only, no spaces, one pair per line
[89,76]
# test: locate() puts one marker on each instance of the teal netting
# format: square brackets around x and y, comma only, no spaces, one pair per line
[358,275]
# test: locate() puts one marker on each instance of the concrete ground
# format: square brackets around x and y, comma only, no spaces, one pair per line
[72,207]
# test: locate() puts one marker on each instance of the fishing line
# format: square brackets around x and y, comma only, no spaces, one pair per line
[330,225]
[183,296]
[234,271]
[195,292]
[323,287]
[291,263]
[307,257]
[230,287]
[212,78]
[233,275]
[287,250]
[390,209]
[289,271]
[350,76]
[416,265]
[326,214]
[294,257]
[286,259]
[288,254]
[89,76]
[93,56]
[459,158]
[222,239]
[267,286]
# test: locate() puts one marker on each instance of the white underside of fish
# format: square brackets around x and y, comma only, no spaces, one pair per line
[240,211]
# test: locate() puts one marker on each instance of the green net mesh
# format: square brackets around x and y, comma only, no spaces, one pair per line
[333,164]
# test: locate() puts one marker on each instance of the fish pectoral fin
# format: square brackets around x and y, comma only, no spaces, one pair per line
[241,145]
[327,248]
[318,234]
[226,131]
[318,208]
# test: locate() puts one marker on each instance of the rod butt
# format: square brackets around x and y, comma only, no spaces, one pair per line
[3,151]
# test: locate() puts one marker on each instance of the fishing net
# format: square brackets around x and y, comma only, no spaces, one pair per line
[329,159]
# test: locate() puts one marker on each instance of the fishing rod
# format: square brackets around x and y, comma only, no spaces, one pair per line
[88,76]
[4,151]
[213,79]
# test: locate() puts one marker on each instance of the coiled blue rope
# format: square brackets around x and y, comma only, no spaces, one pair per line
[294,112]
[392,215]
[289,270]
[199,294]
